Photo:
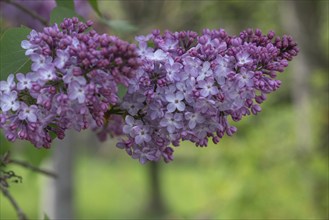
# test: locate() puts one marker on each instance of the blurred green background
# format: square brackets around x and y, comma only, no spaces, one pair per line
[274,167]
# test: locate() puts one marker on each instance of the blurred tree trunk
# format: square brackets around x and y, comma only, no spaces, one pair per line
[58,194]
[64,157]
[156,203]
[302,19]
[301,68]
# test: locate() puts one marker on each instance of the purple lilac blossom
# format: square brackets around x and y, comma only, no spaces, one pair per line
[71,88]
[185,87]
[194,84]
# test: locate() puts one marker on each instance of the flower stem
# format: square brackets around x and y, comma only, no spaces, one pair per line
[36,169]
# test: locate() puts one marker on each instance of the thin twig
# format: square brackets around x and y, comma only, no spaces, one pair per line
[20,213]
[33,168]
[28,11]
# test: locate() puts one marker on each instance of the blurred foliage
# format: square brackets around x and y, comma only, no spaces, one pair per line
[12,55]
[59,13]
[256,174]
[94,5]
[65,4]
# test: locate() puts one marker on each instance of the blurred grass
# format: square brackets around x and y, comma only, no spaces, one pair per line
[254,174]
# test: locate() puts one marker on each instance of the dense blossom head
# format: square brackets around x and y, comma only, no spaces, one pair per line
[191,84]
[180,86]
[73,81]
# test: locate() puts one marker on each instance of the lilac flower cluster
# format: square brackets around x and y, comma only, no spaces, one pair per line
[181,86]
[188,86]
[73,82]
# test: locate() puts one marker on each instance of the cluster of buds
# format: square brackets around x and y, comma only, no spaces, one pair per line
[180,86]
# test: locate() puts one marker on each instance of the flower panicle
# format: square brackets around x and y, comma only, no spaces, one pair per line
[73,81]
[180,86]
[189,85]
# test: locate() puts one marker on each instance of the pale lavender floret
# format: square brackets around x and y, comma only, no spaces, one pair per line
[174,71]
[130,124]
[61,59]
[193,119]
[146,154]
[30,48]
[243,58]
[144,50]
[245,78]
[144,38]
[170,43]
[44,97]
[206,106]
[175,102]
[222,70]
[40,62]
[155,110]
[70,77]
[25,81]
[205,71]
[215,43]
[207,88]
[172,122]
[158,55]
[25,44]
[142,134]
[186,88]
[133,103]
[28,113]
[75,42]
[7,86]
[132,107]
[192,66]
[46,74]
[8,101]
[75,91]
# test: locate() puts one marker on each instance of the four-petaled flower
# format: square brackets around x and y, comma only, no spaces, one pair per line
[243,58]
[28,112]
[207,88]
[8,101]
[172,121]
[76,92]
[193,119]
[175,102]
[25,81]
[7,86]
[142,134]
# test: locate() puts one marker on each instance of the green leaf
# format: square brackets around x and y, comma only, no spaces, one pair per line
[12,55]
[122,91]
[94,5]
[35,155]
[59,13]
[120,26]
[65,4]
[4,145]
